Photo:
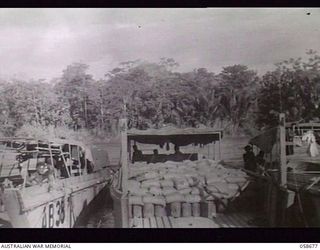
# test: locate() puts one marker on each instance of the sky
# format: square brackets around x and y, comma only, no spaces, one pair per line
[40,43]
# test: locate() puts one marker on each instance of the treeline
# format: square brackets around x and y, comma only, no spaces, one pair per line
[236,99]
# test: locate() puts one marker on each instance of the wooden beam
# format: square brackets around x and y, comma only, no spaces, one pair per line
[166,222]
[153,222]
[124,155]
[283,160]
[146,223]
[159,222]
[219,146]
[79,161]
[124,174]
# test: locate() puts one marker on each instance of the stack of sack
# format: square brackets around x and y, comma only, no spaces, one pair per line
[187,181]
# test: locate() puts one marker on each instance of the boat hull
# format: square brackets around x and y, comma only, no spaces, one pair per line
[120,208]
[37,207]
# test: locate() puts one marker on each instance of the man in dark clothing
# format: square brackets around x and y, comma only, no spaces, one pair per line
[249,159]
[155,156]
[260,158]
[137,154]
[178,155]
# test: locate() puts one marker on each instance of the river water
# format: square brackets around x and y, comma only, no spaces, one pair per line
[99,213]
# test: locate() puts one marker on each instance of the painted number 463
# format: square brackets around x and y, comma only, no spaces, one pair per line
[54,214]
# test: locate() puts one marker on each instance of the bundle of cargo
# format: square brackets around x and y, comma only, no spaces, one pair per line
[178,188]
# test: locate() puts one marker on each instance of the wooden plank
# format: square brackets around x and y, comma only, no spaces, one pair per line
[166,222]
[153,223]
[233,221]
[218,221]
[283,159]
[245,218]
[239,222]
[230,222]
[222,222]
[146,223]
[171,220]
[159,222]
[245,186]
[226,222]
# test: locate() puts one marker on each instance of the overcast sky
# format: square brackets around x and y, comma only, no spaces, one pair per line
[40,43]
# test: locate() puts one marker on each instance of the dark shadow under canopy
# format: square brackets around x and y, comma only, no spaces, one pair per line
[180,137]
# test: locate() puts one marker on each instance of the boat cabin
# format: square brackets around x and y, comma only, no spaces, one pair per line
[47,184]
[20,156]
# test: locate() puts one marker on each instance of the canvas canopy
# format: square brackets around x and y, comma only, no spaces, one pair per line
[265,140]
[177,136]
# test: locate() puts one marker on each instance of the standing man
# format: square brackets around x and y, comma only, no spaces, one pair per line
[249,159]
[137,154]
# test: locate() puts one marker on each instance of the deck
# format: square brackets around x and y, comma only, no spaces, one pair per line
[4,220]
[239,220]
[301,155]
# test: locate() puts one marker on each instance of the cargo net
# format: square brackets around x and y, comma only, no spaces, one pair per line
[187,183]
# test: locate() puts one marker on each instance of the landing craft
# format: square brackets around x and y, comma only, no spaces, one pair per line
[55,198]
[179,190]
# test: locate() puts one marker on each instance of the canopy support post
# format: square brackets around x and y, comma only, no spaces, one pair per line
[129,150]
[219,146]
[124,176]
[283,160]
[124,155]
[214,150]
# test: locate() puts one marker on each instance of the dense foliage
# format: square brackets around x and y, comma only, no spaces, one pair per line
[155,95]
